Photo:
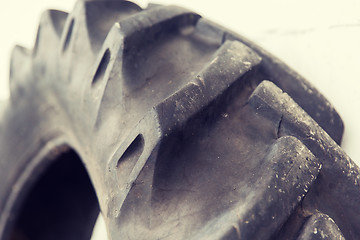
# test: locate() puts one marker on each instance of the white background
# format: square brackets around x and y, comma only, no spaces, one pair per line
[320,39]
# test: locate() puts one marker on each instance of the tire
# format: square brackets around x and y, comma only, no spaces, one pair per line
[173,127]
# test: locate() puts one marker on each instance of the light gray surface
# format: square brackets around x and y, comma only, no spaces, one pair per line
[319,39]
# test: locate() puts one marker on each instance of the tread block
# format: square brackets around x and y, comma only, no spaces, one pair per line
[49,33]
[107,87]
[159,74]
[25,64]
[85,31]
[101,15]
[210,83]
[320,226]
[257,205]
[291,170]
[58,20]
[339,181]
[154,46]
[288,80]
[239,152]
[173,66]
[20,68]
[148,25]
[211,30]
[93,21]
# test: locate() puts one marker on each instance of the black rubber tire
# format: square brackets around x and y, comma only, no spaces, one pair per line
[174,127]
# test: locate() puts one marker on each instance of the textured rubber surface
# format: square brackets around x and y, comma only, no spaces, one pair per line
[184,129]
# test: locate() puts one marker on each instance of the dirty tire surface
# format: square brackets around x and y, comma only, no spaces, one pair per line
[173,127]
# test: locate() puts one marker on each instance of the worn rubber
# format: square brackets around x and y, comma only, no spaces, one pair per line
[172,126]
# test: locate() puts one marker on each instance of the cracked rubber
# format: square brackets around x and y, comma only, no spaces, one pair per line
[173,127]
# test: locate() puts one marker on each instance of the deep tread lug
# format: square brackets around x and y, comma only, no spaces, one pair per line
[320,226]
[206,87]
[339,178]
[277,194]
[181,136]
[20,66]
[322,112]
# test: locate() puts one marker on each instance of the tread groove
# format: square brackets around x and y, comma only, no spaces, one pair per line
[128,160]
[100,72]
[68,35]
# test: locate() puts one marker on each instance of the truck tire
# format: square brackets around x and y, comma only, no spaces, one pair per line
[173,127]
